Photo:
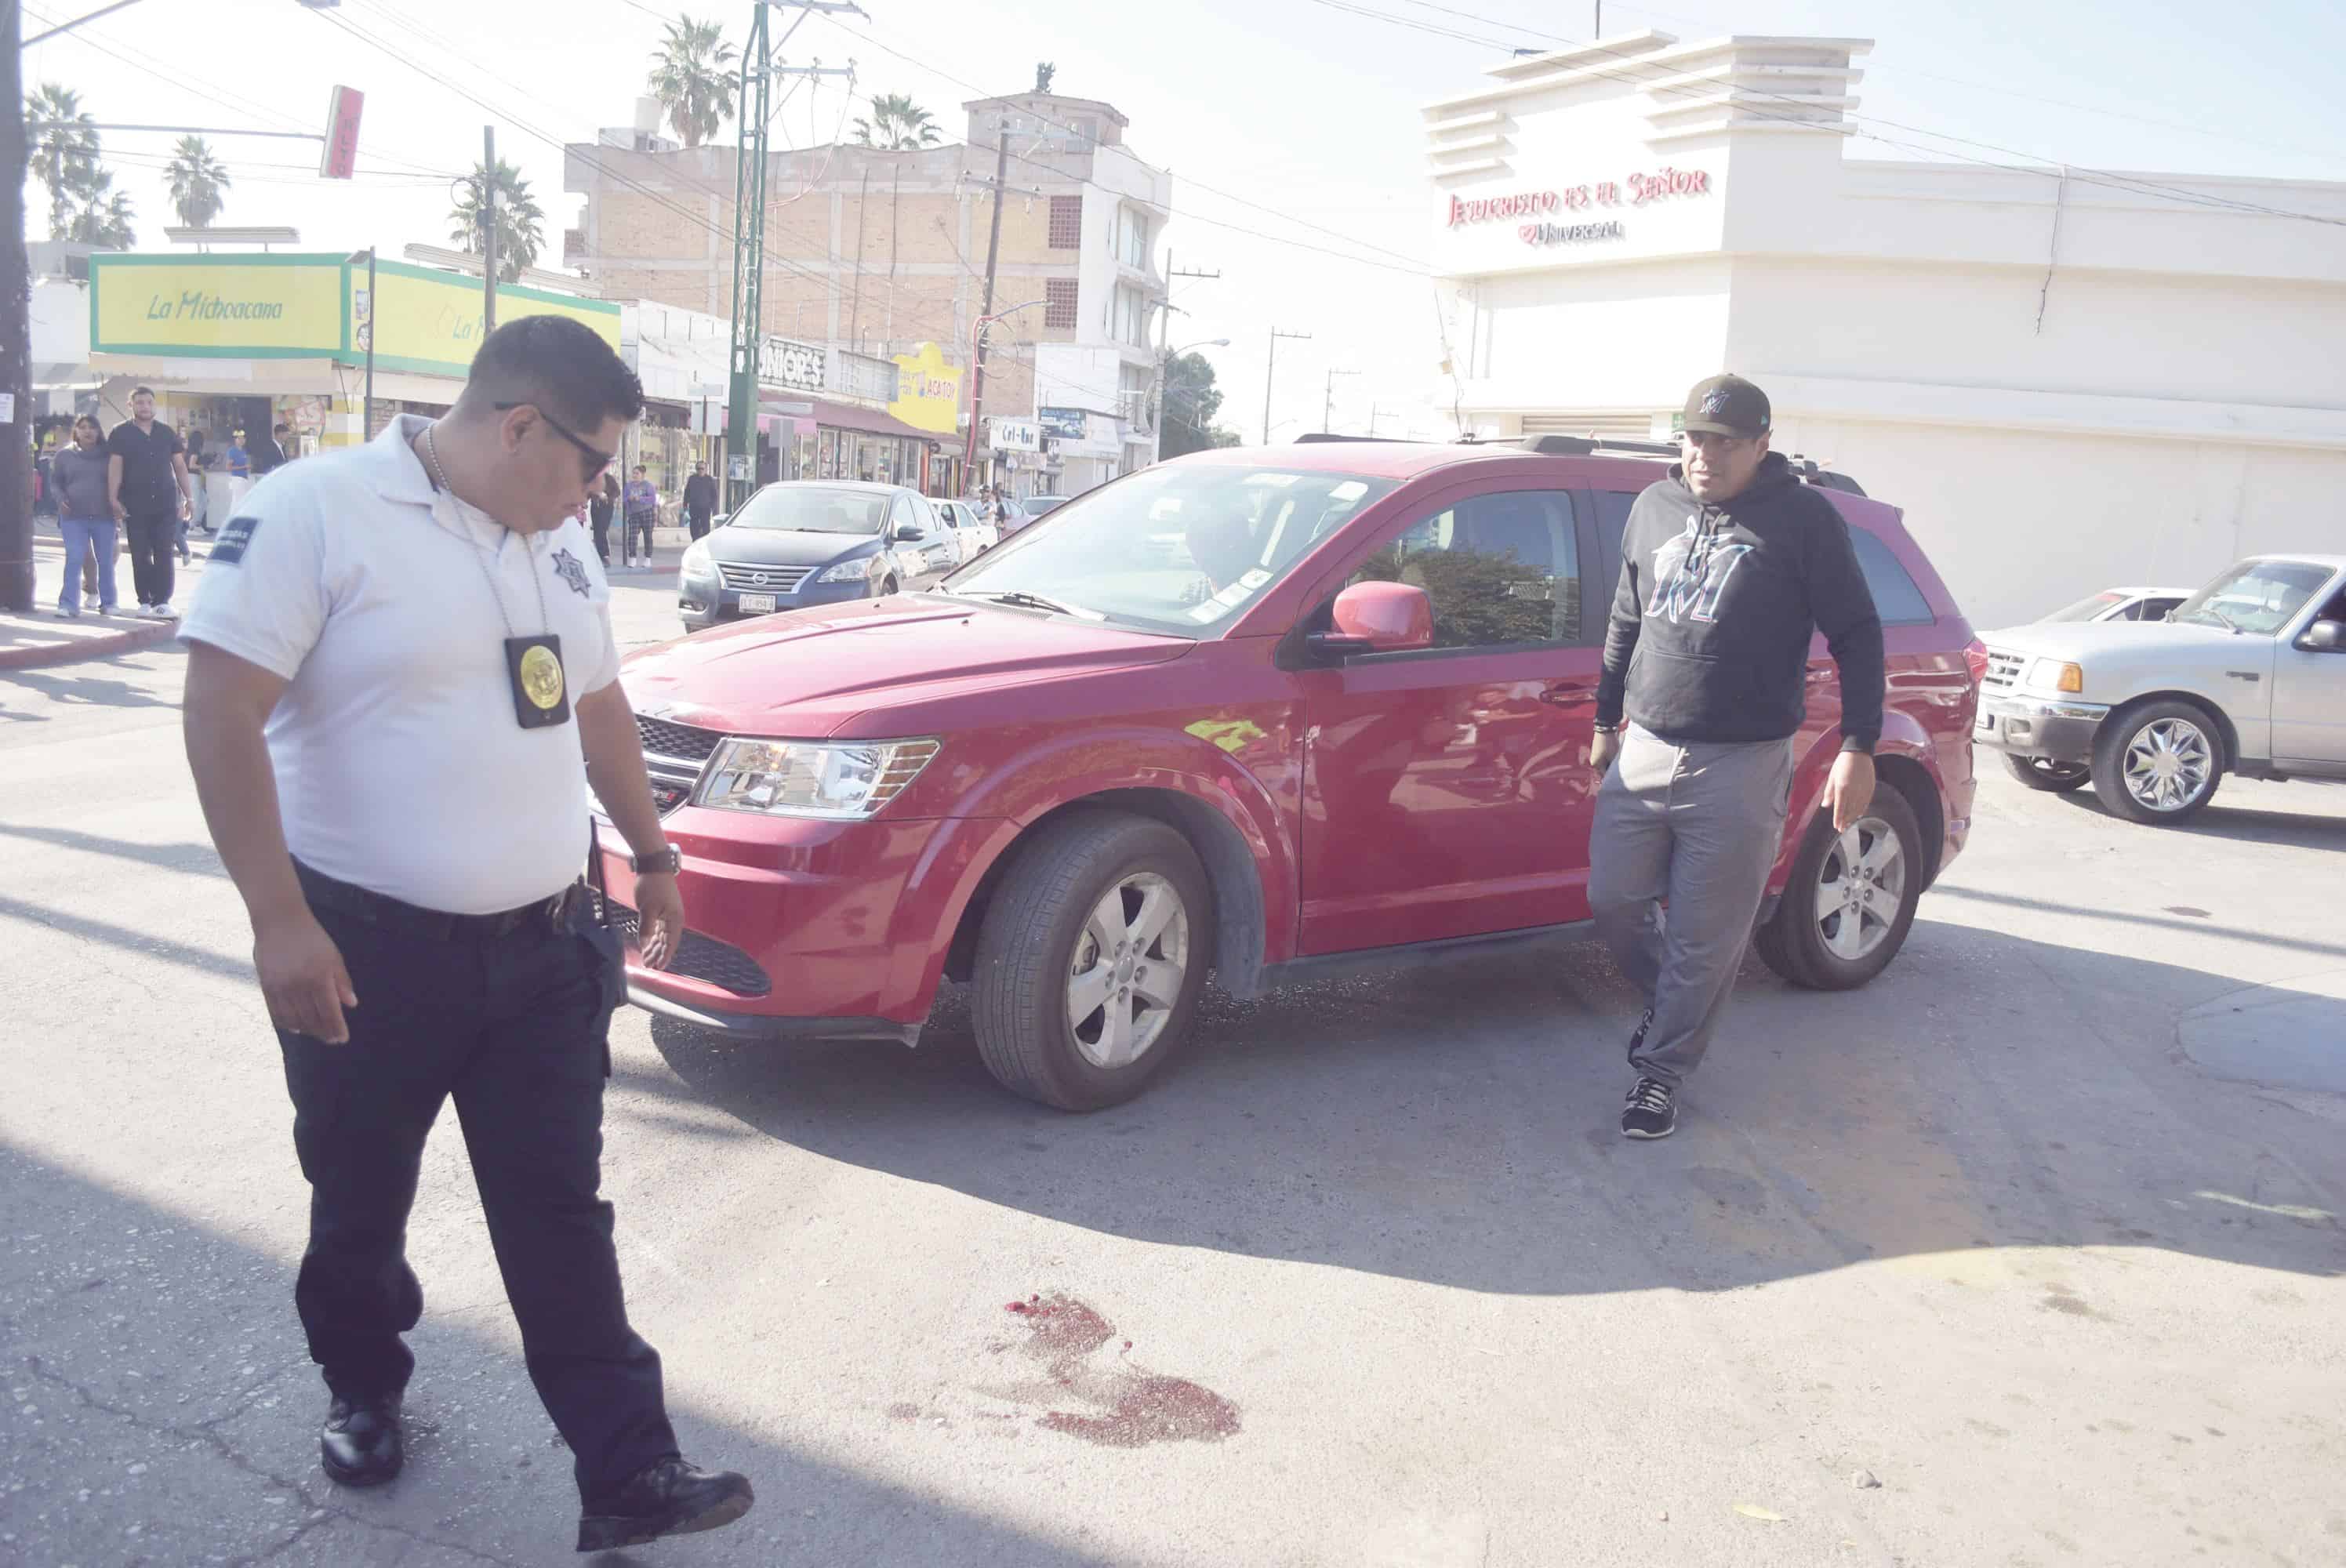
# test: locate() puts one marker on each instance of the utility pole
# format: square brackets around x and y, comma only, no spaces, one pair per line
[1271,367]
[16,330]
[1164,337]
[855,307]
[489,237]
[977,350]
[1327,409]
[754,102]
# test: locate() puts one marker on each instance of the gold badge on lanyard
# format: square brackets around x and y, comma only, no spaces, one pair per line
[541,697]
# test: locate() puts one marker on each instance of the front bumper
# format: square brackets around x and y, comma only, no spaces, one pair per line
[2054,729]
[703,602]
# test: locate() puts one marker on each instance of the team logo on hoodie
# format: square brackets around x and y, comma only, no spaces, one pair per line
[1690,572]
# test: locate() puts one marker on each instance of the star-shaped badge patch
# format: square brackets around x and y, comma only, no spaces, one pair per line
[571,570]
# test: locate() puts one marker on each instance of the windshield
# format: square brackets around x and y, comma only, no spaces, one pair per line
[2260,597]
[1179,548]
[1037,504]
[813,509]
[2085,609]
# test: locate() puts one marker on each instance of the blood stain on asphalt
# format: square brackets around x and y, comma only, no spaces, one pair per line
[1130,1408]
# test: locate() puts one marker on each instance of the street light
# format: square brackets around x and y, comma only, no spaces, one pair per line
[1159,390]
[366,429]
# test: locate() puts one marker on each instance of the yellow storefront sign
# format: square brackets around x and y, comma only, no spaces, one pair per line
[928,395]
[241,307]
[432,321]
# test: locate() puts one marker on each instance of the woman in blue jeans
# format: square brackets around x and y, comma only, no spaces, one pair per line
[85,515]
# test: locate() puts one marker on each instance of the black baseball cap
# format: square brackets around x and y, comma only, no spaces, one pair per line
[1726,405]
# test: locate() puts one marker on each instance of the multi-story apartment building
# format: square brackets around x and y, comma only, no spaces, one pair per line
[881,253]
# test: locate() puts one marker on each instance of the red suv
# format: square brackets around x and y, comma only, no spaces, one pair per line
[1263,711]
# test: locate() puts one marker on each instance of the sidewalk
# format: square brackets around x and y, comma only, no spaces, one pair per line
[41,638]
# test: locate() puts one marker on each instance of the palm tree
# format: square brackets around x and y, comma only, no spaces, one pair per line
[897,125]
[104,217]
[692,80]
[64,152]
[198,179]
[521,227]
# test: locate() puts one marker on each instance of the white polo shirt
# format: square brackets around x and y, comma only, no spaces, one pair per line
[400,764]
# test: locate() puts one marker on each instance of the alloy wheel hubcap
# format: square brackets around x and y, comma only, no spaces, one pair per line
[2167,764]
[1861,888]
[1126,974]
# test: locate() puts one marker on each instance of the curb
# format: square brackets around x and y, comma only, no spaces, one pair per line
[122,642]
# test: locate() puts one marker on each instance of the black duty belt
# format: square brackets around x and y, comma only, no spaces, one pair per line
[387,913]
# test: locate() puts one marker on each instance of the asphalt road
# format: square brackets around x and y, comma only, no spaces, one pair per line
[2039,1233]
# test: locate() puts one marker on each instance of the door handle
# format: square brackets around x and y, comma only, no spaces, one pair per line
[2247,675]
[1565,696]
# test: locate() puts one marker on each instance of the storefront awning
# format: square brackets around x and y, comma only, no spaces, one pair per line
[830,415]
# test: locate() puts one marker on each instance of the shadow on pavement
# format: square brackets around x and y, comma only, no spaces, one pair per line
[1457,1125]
[2313,830]
[162,1410]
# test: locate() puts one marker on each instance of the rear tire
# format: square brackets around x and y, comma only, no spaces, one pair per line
[1049,948]
[2053,778]
[1836,929]
[2158,764]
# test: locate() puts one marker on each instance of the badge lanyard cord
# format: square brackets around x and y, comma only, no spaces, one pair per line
[479,554]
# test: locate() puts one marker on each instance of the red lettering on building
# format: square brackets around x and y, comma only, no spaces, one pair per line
[1643,187]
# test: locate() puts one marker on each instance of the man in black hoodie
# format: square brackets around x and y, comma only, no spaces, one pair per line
[1728,567]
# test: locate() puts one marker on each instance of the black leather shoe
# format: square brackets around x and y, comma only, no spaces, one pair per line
[670,1497]
[360,1443]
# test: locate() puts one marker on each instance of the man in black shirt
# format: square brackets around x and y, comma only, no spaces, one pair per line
[147,482]
[1728,567]
[269,451]
[699,500]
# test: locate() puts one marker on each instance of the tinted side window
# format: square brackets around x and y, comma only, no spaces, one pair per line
[1500,570]
[1613,518]
[1896,599]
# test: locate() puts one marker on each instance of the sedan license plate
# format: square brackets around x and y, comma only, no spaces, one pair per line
[756,604]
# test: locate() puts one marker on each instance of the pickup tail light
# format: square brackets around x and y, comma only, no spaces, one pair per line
[1976,656]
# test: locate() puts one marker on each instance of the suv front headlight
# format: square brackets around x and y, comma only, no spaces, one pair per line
[855,571]
[837,780]
[2055,675]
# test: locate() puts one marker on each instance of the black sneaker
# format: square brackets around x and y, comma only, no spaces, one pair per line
[670,1497]
[1637,1037]
[1652,1112]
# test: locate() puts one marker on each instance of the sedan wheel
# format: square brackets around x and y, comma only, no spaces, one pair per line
[1860,889]
[2054,777]
[1851,900]
[2158,764]
[1129,971]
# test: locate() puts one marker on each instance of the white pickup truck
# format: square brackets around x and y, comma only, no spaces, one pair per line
[2247,676]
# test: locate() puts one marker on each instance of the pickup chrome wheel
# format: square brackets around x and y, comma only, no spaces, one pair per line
[1090,958]
[2158,764]
[1851,900]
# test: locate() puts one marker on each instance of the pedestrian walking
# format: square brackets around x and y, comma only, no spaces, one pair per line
[699,500]
[643,514]
[1728,567]
[403,681]
[86,517]
[148,487]
[602,502]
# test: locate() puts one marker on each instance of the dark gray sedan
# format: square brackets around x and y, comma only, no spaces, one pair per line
[808,542]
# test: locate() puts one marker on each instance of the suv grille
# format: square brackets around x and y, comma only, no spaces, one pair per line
[674,755]
[701,957]
[2003,669]
[764,579]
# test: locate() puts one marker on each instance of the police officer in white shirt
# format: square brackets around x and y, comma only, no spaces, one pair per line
[401,682]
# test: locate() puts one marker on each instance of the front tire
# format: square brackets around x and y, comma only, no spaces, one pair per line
[1091,960]
[1851,901]
[2053,778]
[2158,764]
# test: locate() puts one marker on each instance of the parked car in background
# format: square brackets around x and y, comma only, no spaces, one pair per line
[973,535]
[2246,675]
[1349,723]
[2122,604]
[806,542]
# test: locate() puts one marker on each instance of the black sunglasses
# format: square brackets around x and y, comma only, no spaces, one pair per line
[598,460]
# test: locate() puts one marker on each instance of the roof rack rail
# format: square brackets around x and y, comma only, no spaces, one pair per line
[1824,478]
[1583,445]
[1316,437]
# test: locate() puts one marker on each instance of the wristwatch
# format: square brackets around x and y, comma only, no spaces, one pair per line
[670,861]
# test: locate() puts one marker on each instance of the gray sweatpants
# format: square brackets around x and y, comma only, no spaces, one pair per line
[1697,825]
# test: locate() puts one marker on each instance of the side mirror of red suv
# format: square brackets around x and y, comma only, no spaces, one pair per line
[1378,617]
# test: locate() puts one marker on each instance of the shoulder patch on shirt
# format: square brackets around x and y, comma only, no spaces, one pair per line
[571,570]
[229,548]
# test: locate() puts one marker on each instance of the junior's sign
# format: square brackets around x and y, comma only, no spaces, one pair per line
[1636,190]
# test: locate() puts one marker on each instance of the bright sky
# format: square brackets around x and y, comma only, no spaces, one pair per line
[1304,108]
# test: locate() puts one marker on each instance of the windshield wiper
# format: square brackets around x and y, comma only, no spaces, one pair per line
[2230,625]
[1025,600]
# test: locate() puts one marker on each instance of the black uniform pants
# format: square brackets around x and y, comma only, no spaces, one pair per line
[153,553]
[515,1028]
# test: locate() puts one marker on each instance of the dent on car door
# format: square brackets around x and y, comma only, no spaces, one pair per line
[1448,792]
